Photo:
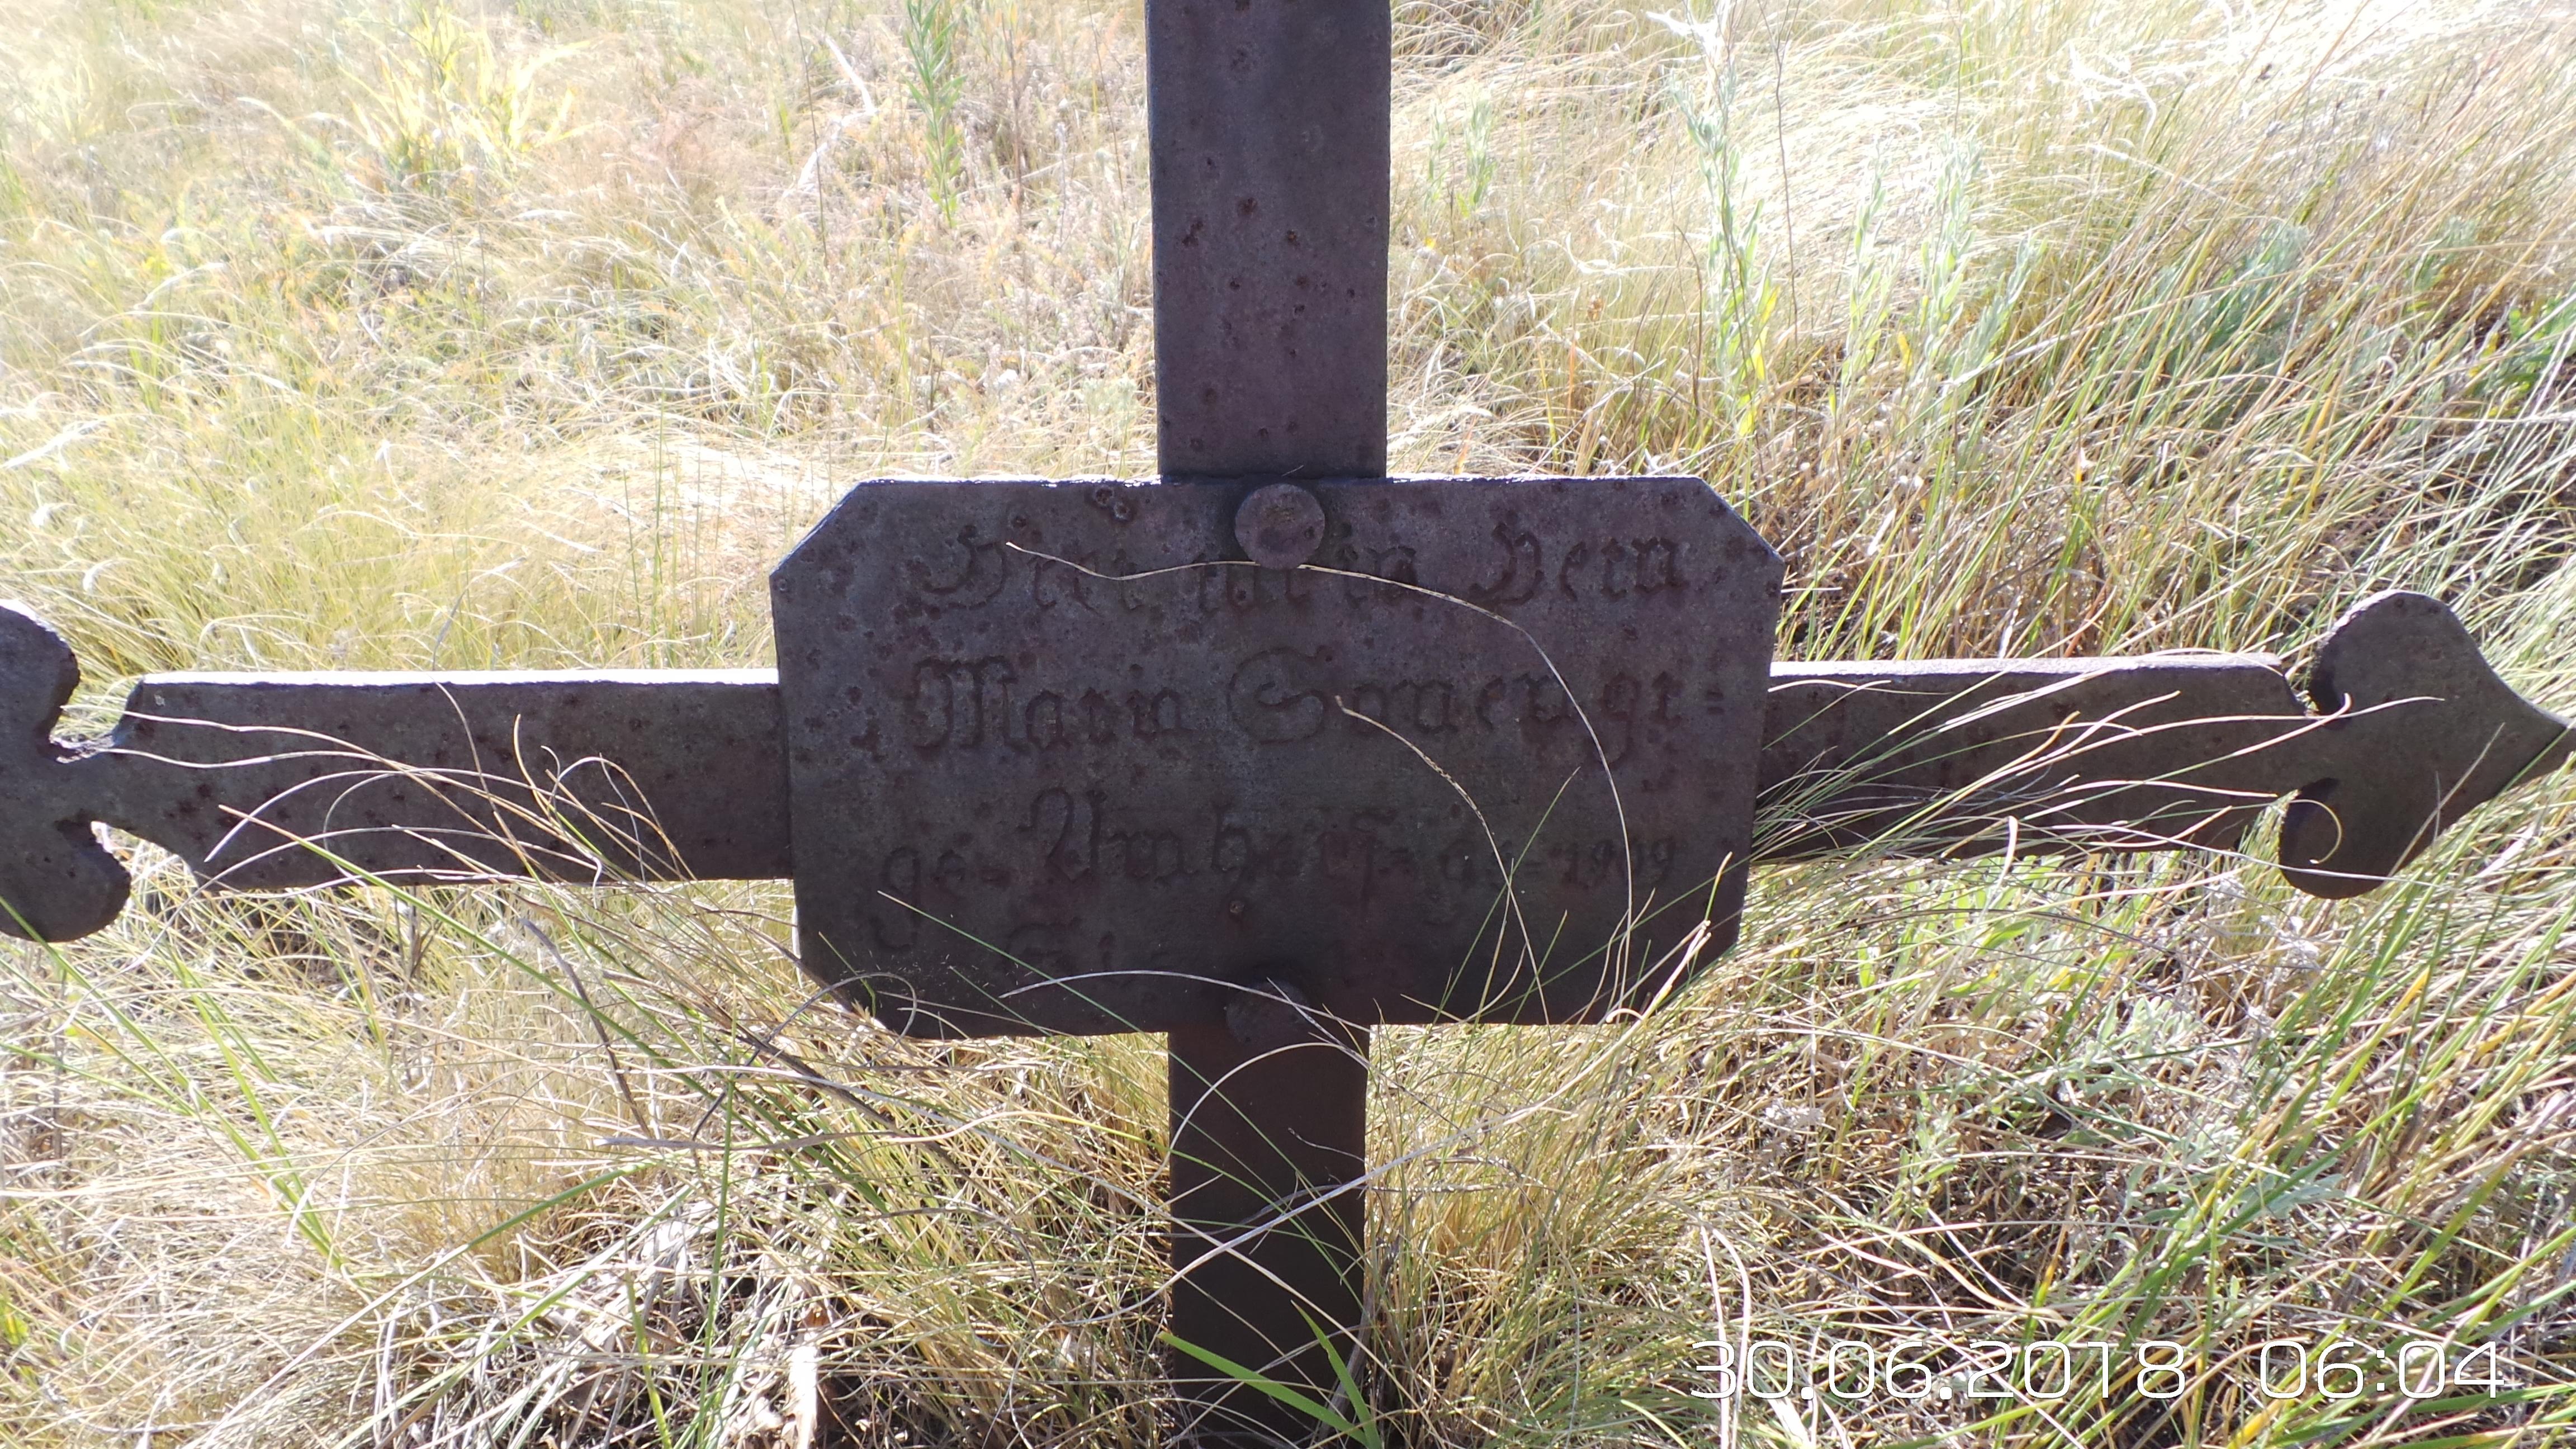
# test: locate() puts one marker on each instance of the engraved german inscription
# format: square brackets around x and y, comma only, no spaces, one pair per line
[1062,758]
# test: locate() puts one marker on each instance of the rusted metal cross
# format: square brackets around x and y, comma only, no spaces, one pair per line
[1267,750]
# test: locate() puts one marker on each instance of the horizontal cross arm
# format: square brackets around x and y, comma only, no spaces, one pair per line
[2404,730]
[278,781]
[287,780]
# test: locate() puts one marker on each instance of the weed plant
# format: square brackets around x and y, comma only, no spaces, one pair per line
[442,333]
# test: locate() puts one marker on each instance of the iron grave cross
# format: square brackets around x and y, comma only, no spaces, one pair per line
[1264,751]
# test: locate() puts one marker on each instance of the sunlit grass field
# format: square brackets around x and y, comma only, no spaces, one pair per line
[355,333]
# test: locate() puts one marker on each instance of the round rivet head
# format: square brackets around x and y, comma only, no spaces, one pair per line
[1279,526]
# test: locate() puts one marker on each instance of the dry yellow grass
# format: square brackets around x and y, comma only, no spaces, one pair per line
[367,333]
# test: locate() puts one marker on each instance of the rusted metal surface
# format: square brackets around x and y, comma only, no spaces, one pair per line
[1254,762]
[1269,1135]
[1279,526]
[1967,756]
[2422,732]
[1178,789]
[57,882]
[2404,731]
[1063,760]
[1268,125]
[1268,128]
[443,777]
[276,781]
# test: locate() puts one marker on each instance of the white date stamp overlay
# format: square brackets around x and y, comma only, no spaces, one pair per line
[1915,1370]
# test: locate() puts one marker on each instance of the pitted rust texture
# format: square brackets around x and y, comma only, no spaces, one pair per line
[1269,1131]
[278,781]
[2412,730]
[1061,761]
[1268,123]
[1279,526]
[646,774]
[1966,756]
[56,881]
[2406,729]
[2421,732]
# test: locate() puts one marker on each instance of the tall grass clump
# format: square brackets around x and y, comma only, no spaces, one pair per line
[463,334]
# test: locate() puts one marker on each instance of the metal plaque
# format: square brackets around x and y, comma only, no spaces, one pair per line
[1061,757]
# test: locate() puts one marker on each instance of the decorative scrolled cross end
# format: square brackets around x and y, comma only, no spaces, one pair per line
[57,881]
[2404,730]
[277,782]
[285,781]
[2416,731]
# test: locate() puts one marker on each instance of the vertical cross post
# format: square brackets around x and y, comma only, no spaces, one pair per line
[1269,1134]
[1268,122]
[1268,125]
